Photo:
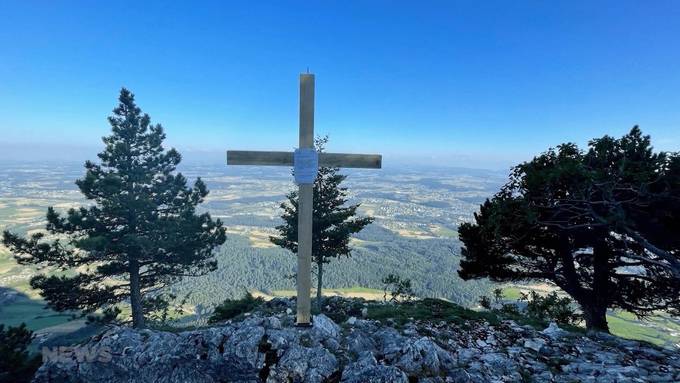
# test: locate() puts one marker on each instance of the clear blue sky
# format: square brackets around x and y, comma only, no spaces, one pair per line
[470,83]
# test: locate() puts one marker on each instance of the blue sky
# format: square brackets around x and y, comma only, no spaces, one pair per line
[483,84]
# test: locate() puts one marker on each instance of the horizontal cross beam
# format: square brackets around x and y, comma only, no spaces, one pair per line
[249,157]
[340,160]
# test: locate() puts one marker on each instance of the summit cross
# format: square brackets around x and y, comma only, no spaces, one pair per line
[306,162]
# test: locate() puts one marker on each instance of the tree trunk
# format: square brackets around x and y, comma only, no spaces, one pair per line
[319,283]
[136,296]
[596,309]
[593,301]
[596,318]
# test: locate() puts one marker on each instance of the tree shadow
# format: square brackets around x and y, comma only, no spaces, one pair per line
[16,307]
[50,328]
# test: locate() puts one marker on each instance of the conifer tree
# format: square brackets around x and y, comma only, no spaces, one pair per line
[601,224]
[333,221]
[140,234]
[16,363]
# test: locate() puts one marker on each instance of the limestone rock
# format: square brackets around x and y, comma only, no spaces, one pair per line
[265,346]
[367,370]
[553,331]
[326,326]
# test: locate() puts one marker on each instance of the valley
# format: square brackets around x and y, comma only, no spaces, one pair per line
[414,235]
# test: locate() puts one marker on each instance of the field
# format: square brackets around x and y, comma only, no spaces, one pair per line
[659,329]
[417,212]
[31,312]
[351,292]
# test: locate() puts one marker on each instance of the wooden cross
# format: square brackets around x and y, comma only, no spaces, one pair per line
[306,162]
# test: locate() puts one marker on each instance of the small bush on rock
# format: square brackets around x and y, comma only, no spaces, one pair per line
[399,289]
[108,315]
[427,309]
[231,308]
[551,307]
[537,308]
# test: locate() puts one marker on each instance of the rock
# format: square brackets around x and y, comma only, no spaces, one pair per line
[553,331]
[534,344]
[389,342]
[326,326]
[627,371]
[410,330]
[367,370]
[497,362]
[490,339]
[302,364]
[364,312]
[274,323]
[357,343]
[289,311]
[421,358]
[265,346]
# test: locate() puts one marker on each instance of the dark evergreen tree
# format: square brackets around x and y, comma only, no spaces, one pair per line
[599,224]
[333,221]
[140,234]
[16,364]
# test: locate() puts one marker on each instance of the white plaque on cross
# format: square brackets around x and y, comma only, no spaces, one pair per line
[306,162]
[305,165]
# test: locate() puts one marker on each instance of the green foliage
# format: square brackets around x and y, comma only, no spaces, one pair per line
[334,222]
[534,307]
[161,308]
[485,302]
[142,226]
[16,365]
[584,220]
[498,305]
[427,309]
[339,310]
[399,289]
[108,315]
[551,307]
[231,308]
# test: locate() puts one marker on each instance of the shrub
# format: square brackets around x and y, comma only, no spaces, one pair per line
[399,289]
[16,365]
[485,302]
[551,307]
[161,308]
[548,308]
[231,308]
[427,309]
[108,315]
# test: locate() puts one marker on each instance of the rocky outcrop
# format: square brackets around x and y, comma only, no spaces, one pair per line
[266,347]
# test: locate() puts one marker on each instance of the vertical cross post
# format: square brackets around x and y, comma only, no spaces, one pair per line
[306,162]
[306,203]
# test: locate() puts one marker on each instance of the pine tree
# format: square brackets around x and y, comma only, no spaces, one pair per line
[140,234]
[600,224]
[333,222]
[16,364]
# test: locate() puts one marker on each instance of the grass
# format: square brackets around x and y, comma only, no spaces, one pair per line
[511,293]
[234,307]
[427,309]
[443,231]
[660,330]
[632,330]
[358,289]
[349,291]
[31,312]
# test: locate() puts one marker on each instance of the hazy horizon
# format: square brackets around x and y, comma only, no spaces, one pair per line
[41,152]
